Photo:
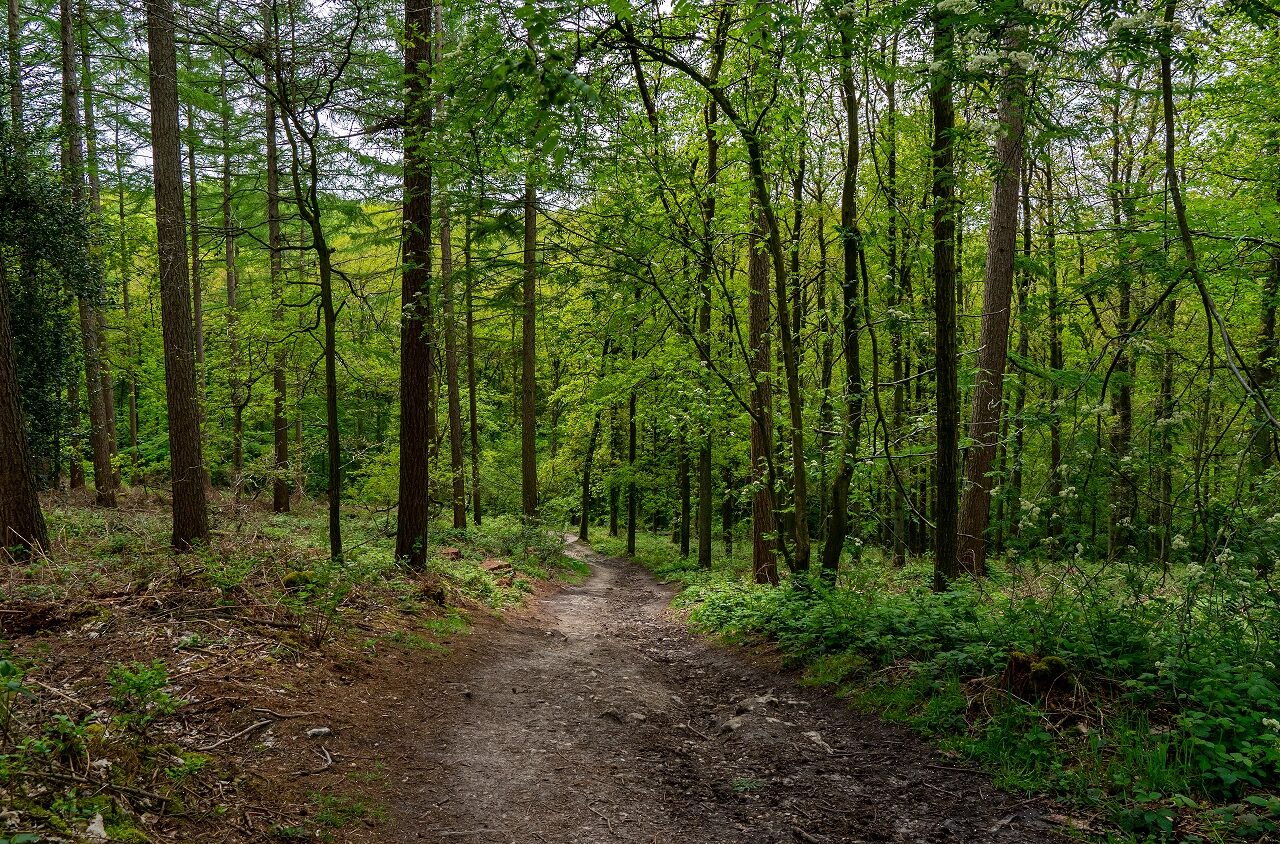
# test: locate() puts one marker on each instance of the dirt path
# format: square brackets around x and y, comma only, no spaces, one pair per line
[597,718]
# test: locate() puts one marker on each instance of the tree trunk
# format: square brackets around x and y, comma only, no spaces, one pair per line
[197,283]
[473,425]
[850,321]
[190,508]
[528,359]
[106,385]
[237,388]
[993,343]
[457,468]
[686,504]
[280,492]
[73,178]
[584,519]
[764,564]
[416,342]
[945,564]
[21,521]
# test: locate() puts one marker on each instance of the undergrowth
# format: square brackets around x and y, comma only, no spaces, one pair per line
[1149,702]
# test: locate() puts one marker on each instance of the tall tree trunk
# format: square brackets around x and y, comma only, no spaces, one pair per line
[104,480]
[686,504]
[632,501]
[1024,349]
[106,384]
[190,508]
[197,281]
[237,387]
[706,265]
[528,359]
[473,425]
[850,320]
[997,296]
[764,564]
[126,274]
[21,521]
[456,465]
[1054,527]
[896,298]
[280,492]
[416,342]
[945,564]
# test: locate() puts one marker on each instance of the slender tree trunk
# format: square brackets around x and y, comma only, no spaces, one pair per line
[528,360]
[993,343]
[615,446]
[473,425]
[584,519]
[1024,349]
[190,508]
[686,503]
[705,268]
[632,501]
[235,380]
[1055,359]
[104,480]
[131,349]
[850,321]
[764,564]
[416,342]
[197,282]
[944,282]
[456,465]
[106,385]
[727,510]
[899,363]
[280,492]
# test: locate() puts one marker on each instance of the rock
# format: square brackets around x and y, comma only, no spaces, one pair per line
[732,725]
[636,717]
[319,732]
[816,737]
[751,704]
[97,829]
[612,715]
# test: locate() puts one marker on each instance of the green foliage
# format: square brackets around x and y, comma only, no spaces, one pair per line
[138,694]
[1186,722]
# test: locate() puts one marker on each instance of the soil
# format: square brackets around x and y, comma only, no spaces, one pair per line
[593,715]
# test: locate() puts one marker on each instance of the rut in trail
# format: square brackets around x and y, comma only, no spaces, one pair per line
[601,719]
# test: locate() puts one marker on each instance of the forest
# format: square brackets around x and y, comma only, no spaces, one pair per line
[930,345]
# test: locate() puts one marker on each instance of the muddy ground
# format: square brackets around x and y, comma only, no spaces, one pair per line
[594,716]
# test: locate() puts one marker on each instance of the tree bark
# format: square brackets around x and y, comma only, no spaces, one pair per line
[190,508]
[457,468]
[764,566]
[416,342]
[850,321]
[73,175]
[997,299]
[473,425]
[528,358]
[280,491]
[946,466]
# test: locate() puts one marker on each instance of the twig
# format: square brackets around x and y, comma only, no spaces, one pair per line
[284,716]
[603,817]
[246,730]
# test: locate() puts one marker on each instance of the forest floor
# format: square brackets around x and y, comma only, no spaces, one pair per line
[593,715]
[197,699]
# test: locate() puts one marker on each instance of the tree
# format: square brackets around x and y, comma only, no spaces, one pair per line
[997,300]
[190,509]
[417,345]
